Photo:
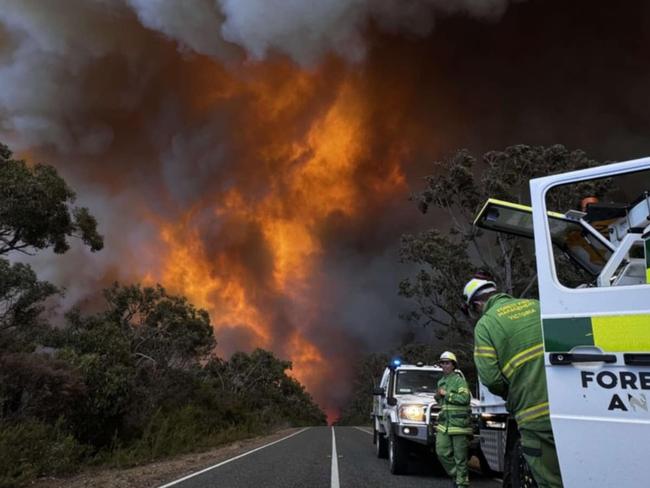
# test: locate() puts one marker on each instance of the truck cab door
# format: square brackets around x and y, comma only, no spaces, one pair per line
[597,345]
[646,237]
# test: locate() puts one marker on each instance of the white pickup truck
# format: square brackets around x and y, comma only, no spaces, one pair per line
[405,412]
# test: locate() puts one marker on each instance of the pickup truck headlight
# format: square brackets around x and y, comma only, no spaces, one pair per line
[493,424]
[494,421]
[414,413]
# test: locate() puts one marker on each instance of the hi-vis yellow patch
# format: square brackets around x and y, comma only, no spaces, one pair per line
[621,333]
[613,333]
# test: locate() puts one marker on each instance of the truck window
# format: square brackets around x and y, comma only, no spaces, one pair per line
[601,240]
[567,234]
[410,381]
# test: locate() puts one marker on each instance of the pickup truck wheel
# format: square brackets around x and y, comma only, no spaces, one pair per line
[381,445]
[526,475]
[517,473]
[397,455]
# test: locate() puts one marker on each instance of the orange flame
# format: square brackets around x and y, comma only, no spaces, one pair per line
[310,174]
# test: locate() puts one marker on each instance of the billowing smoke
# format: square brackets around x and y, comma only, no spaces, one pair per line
[309,30]
[257,155]
[53,53]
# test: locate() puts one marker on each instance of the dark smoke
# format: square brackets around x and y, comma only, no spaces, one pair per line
[113,93]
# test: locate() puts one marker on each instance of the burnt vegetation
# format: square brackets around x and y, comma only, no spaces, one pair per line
[136,381]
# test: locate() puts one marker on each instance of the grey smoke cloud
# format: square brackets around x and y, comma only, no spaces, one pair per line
[47,59]
[194,24]
[304,30]
[48,50]
[307,30]
[103,91]
[71,70]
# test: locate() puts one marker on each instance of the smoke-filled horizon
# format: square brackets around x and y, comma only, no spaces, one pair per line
[257,156]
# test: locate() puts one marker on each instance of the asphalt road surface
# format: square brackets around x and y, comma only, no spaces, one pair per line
[319,457]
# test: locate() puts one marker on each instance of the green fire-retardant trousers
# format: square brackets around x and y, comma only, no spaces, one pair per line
[540,454]
[452,453]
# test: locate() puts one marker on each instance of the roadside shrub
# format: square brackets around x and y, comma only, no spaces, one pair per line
[37,386]
[187,429]
[32,448]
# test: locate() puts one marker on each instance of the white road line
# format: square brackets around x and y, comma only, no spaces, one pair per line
[232,459]
[335,463]
[363,430]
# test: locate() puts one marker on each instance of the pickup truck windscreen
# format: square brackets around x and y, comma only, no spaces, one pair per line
[410,381]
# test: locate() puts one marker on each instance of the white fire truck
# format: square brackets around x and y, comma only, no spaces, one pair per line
[597,334]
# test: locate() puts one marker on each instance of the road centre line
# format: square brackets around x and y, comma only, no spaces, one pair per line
[335,463]
[192,475]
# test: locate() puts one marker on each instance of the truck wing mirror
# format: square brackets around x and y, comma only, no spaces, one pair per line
[392,401]
[378,391]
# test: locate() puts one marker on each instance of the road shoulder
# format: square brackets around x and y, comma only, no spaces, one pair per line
[159,472]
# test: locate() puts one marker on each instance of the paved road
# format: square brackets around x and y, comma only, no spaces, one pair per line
[305,460]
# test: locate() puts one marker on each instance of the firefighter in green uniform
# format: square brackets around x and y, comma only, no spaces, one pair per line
[509,357]
[454,426]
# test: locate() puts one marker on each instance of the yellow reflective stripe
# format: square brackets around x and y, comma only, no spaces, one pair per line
[525,208]
[454,407]
[532,413]
[516,206]
[521,358]
[485,355]
[463,390]
[485,352]
[622,333]
[453,430]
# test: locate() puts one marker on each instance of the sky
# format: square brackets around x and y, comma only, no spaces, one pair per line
[257,156]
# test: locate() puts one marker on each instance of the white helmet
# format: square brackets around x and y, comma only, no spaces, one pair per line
[448,356]
[476,285]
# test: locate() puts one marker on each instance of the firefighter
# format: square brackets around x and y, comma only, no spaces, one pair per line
[454,424]
[509,357]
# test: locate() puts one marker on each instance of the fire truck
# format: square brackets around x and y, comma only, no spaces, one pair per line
[597,332]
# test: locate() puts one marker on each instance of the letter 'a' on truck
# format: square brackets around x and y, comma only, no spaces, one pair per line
[593,268]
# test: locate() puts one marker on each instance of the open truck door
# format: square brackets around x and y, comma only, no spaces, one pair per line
[646,238]
[596,333]
[597,337]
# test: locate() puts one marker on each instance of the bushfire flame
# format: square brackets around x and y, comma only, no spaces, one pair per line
[310,175]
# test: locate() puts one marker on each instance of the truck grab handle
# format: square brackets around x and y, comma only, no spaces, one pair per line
[564,358]
[637,359]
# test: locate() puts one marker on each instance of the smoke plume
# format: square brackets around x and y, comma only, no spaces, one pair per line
[257,156]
